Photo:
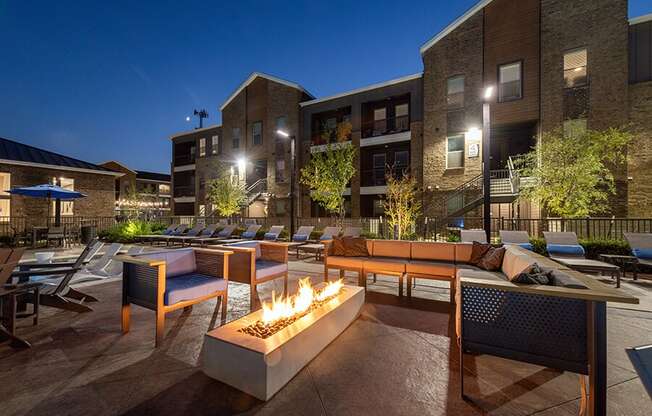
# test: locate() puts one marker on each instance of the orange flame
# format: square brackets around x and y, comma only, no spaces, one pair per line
[283,308]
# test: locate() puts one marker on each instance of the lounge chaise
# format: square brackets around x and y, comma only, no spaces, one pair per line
[564,248]
[217,237]
[469,236]
[168,280]
[519,238]
[168,231]
[274,233]
[301,237]
[641,245]
[317,246]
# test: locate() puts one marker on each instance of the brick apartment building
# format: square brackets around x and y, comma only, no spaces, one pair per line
[23,165]
[553,64]
[152,189]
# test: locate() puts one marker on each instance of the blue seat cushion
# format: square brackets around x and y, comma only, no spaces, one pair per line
[300,237]
[265,268]
[248,234]
[643,253]
[565,250]
[271,236]
[526,246]
[191,286]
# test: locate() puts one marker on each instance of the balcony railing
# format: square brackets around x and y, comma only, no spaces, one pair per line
[181,160]
[377,176]
[322,137]
[390,125]
[184,190]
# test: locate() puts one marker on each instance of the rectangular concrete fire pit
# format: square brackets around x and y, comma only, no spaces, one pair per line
[261,367]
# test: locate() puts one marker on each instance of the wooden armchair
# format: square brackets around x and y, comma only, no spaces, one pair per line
[169,280]
[256,262]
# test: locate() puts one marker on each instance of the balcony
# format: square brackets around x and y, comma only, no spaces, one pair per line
[324,136]
[376,176]
[184,159]
[184,191]
[386,126]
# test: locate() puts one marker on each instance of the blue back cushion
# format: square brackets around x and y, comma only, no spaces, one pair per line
[565,249]
[526,246]
[271,236]
[643,253]
[248,234]
[300,237]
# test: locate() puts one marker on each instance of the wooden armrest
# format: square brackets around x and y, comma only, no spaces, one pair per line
[140,261]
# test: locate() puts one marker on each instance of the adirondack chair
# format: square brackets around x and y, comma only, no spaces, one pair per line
[56,278]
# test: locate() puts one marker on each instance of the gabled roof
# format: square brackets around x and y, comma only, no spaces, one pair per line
[189,132]
[108,163]
[640,19]
[255,75]
[363,89]
[153,176]
[457,22]
[13,152]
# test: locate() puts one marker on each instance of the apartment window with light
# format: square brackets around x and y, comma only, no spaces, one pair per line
[215,144]
[202,211]
[380,121]
[257,132]
[575,68]
[455,91]
[5,198]
[164,189]
[455,151]
[202,147]
[67,207]
[401,161]
[402,117]
[236,137]
[509,82]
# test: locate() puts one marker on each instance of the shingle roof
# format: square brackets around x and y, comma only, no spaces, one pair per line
[12,150]
[153,176]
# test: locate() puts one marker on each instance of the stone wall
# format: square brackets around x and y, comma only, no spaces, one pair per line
[98,188]
[640,151]
[460,52]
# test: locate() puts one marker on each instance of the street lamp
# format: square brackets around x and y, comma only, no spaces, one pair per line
[486,155]
[292,138]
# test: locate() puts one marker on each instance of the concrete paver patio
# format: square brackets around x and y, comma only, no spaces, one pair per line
[398,358]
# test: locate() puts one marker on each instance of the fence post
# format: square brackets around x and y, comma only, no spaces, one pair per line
[588,228]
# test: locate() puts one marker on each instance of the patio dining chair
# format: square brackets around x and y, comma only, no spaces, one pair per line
[57,234]
[641,245]
[469,236]
[519,238]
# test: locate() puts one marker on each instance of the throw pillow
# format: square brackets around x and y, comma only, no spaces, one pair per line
[534,276]
[478,251]
[493,259]
[355,246]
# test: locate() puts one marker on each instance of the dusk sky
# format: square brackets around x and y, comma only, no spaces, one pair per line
[113,80]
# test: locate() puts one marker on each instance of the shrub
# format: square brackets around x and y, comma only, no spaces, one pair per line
[370,235]
[539,246]
[592,247]
[453,238]
[125,232]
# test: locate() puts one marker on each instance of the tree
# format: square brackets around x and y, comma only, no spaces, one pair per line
[402,205]
[132,202]
[327,173]
[572,174]
[226,194]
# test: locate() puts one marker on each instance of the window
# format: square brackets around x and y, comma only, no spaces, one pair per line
[380,114]
[257,132]
[455,152]
[575,68]
[202,147]
[5,209]
[5,198]
[402,159]
[202,211]
[280,207]
[5,183]
[280,170]
[164,189]
[574,127]
[202,183]
[378,173]
[509,82]
[67,207]
[402,114]
[378,208]
[215,144]
[455,91]
[236,137]
[380,121]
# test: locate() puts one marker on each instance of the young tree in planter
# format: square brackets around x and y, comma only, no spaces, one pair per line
[132,202]
[571,175]
[402,205]
[327,173]
[226,194]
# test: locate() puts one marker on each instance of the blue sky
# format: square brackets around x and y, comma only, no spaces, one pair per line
[114,79]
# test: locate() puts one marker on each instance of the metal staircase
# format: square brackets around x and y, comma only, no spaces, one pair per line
[256,190]
[505,187]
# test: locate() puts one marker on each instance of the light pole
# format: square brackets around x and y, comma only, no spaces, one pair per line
[292,138]
[486,165]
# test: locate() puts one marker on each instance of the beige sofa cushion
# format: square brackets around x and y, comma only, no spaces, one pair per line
[431,268]
[463,252]
[433,251]
[391,248]
[515,262]
[347,262]
[385,264]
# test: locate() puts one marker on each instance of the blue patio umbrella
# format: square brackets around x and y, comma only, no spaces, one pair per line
[50,192]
